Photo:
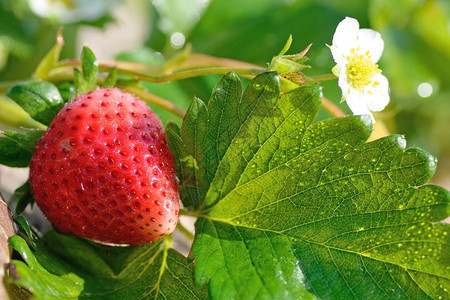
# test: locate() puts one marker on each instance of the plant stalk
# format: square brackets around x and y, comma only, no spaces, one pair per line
[184,231]
[324,77]
[332,108]
[154,99]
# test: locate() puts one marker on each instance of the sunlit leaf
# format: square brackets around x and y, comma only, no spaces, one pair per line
[293,208]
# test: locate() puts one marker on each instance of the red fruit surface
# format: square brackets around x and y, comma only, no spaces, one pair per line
[103,171]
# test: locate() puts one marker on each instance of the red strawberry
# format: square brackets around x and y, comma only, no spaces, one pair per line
[103,171]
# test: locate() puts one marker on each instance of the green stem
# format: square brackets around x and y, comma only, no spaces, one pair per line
[168,241]
[324,77]
[193,73]
[153,99]
[332,108]
[184,231]
[65,72]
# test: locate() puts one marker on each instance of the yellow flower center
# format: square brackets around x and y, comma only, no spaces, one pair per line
[361,70]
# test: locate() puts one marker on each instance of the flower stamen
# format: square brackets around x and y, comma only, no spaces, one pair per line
[361,70]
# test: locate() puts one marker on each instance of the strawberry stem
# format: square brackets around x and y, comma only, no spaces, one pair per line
[65,72]
[324,77]
[154,99]
[185,231]
[191,73]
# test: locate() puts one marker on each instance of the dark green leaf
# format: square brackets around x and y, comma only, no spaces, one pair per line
[17,148]
[287,205]
[86,80]
[27,140]
[22,197]
[40,99]
[67,90]
[66,267]
[13,156]
[25,230]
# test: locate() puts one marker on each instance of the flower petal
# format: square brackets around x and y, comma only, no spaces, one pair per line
[338,55]
[379,98]
[357,104]
[346,32]
[370,40]
[344,38]
[343,84]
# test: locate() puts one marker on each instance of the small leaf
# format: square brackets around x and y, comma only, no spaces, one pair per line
[27,140]
[13,156]
[22,197]
[40,99]
[86,80]
[79,82]
[286,46]
[17,148]
[89,65]
[51,58]
[111,79]
[25,231]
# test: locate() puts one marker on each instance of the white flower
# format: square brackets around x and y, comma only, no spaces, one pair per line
[356,53]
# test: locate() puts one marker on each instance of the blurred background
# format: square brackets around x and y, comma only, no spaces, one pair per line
[416,59]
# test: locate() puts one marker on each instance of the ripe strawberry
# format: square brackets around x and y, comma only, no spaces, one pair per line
[103,171]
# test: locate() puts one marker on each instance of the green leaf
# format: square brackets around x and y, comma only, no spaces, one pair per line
[31,275]
[51,59]
[63,267]
[286,46]
[13,156]
[17,148]
[111,79]
[67,90]
[22,197]
[86,80]
[27,140]
[293,208]
[40,99]
[25,229]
